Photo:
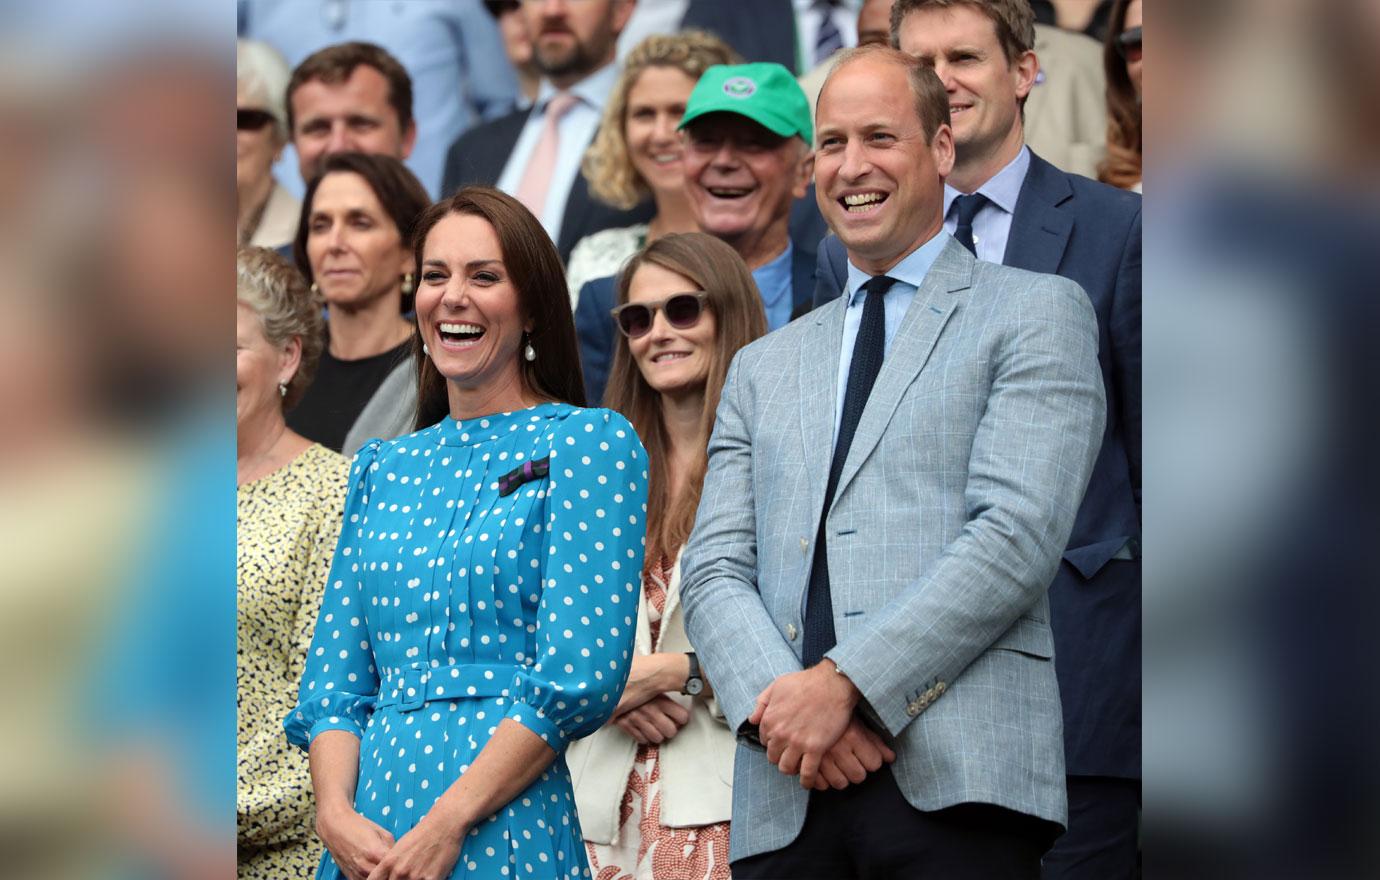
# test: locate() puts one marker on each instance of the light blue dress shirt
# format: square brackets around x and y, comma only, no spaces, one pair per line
[774,283]
[992,225]
[577,128]
[451,49]
[909,273]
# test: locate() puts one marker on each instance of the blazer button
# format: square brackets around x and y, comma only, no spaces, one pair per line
[790,631]
[804,545]
[940,688]
[912,710]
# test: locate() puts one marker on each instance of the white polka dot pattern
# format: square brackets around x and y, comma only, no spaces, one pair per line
[449,608]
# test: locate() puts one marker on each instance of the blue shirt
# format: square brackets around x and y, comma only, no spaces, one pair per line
[774,283]
[992,225]
[909,273]
[576,129]
[451,48]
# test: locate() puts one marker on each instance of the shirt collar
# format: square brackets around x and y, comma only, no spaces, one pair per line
[911,270]
[1003,188]
[592,90]
[773,274]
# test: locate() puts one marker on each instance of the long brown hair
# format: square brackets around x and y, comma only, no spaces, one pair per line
[716,269]
[543,299]
[1122,165]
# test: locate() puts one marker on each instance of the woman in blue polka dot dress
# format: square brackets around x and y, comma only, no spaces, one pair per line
[480,611]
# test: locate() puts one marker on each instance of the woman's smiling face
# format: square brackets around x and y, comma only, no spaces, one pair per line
[468,311]
[672,360]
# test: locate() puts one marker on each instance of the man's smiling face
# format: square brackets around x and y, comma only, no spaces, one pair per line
[740,177]
[879,183]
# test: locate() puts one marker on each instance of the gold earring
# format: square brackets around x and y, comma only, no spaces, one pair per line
[315,289]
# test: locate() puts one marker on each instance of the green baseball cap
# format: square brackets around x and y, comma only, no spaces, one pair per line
[764,92]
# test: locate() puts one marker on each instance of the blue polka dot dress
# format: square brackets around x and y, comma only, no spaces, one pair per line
[487,569]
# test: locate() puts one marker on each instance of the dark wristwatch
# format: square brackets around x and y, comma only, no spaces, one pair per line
[694,684]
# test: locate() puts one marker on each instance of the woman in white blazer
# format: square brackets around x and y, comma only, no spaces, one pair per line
[654,786]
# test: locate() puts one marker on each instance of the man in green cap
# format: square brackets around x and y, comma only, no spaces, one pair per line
[747,161]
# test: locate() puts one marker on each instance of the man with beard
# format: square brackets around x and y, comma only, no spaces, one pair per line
[535,154]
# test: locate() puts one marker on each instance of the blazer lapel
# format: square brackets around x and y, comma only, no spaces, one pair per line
[1040,229]
[931,309]
[819,374]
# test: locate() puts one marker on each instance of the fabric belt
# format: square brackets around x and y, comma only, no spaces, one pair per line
[411,689]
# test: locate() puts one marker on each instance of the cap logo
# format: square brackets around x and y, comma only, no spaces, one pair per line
[739,87]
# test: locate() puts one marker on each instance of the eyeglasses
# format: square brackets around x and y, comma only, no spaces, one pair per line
[252,120]
[1128,44]
[682,312]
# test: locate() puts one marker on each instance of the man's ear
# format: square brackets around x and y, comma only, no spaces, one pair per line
[805,175]
[409,139]
[1026,68]
[622,12]
[942,149]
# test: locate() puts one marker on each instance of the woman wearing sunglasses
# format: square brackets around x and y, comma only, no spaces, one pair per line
[1122,58]
[267,212]
[654,785]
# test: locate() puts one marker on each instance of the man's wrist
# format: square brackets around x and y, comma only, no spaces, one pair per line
[840,679]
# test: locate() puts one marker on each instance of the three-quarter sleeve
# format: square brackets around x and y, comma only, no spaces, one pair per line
[340,682]
[592,562]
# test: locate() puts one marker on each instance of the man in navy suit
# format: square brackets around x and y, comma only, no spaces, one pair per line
[1010,206]
[747,161]
[573,46]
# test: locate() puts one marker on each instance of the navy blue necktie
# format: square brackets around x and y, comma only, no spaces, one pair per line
[868,349]
[828,39]
[968,207]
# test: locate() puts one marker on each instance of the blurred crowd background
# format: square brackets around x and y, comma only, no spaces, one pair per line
[116,515]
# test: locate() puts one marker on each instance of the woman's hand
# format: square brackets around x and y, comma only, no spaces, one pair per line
[655,721]
[652,675]
[427,852]
[356,844]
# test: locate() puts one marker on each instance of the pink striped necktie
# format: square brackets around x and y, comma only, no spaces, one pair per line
[536,180]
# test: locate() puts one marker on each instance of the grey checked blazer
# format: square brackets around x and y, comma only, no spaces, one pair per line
[957,497]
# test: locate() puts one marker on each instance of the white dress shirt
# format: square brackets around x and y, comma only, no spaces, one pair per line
[576,129]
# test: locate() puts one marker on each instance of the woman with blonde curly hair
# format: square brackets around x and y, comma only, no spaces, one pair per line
[638,150]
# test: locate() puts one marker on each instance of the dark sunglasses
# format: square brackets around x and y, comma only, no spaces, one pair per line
[1128,42]
[682,311]
[252,120]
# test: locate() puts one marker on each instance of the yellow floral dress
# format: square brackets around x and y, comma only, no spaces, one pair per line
[288,523]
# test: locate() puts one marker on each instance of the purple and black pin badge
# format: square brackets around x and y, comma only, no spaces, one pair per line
[530,470]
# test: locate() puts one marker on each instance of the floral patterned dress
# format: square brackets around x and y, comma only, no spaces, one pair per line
[646,849]
[287,523]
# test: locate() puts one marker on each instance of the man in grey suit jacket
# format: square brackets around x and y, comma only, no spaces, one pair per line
[1012,207]
[894,587]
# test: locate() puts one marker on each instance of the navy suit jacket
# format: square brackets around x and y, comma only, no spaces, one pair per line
[478,157]
[595,329]
[768,34]
[1088,232]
